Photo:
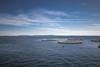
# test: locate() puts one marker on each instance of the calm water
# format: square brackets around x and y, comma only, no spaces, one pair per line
[30,51]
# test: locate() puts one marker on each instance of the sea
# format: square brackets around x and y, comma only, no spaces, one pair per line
[44,51]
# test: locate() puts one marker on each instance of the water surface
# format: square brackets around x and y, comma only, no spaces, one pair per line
[30,51]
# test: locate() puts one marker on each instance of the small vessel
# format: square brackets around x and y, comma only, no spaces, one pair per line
[70,42]
[48,40]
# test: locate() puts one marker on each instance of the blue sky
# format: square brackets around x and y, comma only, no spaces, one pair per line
[49,17]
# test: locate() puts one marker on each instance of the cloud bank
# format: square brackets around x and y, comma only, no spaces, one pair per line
[52,22]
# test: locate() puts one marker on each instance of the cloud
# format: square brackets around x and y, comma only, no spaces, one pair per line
[24,20]
[15,20]
[94,26]
[34,17]
[51,23]
[57,13]
[37,17]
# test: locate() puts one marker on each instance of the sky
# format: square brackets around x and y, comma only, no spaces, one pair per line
[49,17]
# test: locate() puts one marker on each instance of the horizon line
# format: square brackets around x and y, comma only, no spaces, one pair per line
[49,35]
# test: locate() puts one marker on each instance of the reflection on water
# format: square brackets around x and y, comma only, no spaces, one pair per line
[31,52]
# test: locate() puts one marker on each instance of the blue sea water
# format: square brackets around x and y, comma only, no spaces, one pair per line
[31,51]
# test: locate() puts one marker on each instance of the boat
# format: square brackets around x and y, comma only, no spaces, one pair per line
[53,39]
[70,42]
[48,40]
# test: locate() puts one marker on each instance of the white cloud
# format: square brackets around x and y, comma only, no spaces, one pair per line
[24,20]
[95,27]
[34,17]
[57,13]
[95,24]
[54,25]
[15,20]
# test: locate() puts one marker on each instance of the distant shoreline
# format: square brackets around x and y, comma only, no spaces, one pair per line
[49,35]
